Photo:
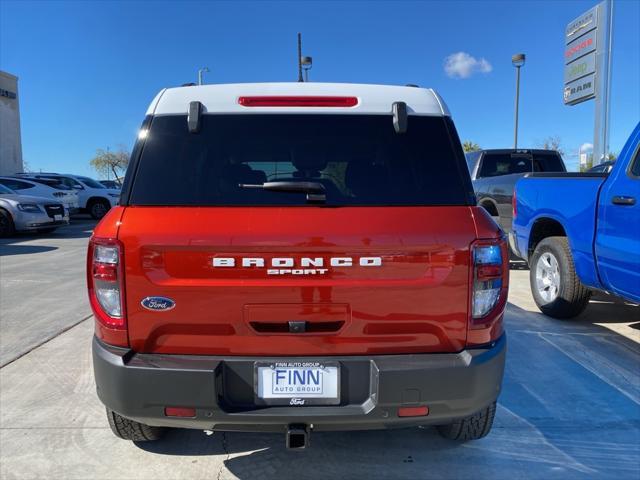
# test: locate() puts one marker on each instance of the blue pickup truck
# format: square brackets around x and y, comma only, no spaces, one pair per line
[580,232]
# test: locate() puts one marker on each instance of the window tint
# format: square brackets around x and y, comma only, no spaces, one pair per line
[90,182]
[51,183]
[16,184]
[635,169]
[5,190]
[68,181]
[359,159]
[495,164]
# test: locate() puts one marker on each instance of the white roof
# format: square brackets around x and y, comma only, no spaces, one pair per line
[372,99]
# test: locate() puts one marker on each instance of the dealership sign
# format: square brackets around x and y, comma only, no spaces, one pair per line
[587,68]
[579,90]
[580,66]
[579,47]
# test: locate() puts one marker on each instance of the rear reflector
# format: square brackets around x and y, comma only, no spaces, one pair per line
[413,411]
[105,271]
[179,412]
[278,101]
[486,272]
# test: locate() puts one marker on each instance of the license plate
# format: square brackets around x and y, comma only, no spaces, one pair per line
[297,383]
[57,218]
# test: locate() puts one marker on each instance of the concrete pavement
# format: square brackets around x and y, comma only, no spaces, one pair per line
[570,408]
[41,286]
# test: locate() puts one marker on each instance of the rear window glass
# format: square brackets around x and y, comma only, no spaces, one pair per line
[359,159]
[495,164]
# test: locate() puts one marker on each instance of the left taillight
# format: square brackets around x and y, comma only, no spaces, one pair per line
[105,280]
[489,289]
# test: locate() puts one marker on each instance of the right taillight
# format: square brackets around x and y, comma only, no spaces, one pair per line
[105,281]
[487,279]
[490,285]
[514,202]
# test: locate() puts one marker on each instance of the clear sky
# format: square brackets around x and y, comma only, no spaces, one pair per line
[89,69]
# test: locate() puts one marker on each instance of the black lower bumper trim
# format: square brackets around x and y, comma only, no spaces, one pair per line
[452,385]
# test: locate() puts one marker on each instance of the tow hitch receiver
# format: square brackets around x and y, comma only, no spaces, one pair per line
[298,436]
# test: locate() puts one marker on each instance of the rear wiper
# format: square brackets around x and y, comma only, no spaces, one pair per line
[315,191]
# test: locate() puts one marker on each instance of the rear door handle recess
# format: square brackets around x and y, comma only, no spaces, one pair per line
[622,200]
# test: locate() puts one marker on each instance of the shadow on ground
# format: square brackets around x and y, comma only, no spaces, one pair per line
[7,250]
[78,228]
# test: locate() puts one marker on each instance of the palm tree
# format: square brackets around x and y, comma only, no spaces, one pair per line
[469,146]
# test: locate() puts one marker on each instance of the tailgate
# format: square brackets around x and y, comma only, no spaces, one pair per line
[335,281]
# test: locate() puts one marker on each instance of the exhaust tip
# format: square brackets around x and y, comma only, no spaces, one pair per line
[297,437]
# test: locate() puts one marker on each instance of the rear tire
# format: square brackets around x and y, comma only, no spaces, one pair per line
[98,208]
[7,228]
[473,427]
[132,430]
[564,297]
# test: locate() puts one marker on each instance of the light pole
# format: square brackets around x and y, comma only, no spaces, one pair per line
[518,61]
[200,72]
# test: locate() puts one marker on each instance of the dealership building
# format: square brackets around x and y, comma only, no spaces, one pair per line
[10,140]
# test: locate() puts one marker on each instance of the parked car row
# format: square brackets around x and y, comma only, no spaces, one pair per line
[43,201]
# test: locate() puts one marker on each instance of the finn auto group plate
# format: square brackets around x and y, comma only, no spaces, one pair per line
[297,383]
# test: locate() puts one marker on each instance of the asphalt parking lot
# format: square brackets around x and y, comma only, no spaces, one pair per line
[570,406]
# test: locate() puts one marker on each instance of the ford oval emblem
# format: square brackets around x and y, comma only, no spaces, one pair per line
[158,304]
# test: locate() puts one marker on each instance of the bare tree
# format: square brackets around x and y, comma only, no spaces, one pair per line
[106,162]
[553,142]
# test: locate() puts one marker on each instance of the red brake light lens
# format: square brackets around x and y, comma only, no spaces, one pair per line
[105,282]
[105,272]
[297,101]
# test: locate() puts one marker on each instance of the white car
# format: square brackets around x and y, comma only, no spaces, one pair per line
[44,188]
[27,213]
[94,198]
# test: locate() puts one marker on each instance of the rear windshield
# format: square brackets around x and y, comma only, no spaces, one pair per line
[359,159]
[495,164]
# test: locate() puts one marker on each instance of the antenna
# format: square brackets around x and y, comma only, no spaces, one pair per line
[300,79]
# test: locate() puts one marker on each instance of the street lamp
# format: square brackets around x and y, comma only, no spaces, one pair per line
[200,72]
[307,63]
[518,61]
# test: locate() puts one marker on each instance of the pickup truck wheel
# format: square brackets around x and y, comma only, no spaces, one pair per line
[132,430]
[556,288]
[474,427]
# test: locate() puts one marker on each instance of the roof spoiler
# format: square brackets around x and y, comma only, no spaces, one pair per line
[400,117]
[193,117]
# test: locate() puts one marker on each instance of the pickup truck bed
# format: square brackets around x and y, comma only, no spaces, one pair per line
[581,232]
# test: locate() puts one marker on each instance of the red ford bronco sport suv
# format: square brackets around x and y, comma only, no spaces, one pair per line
[297,257]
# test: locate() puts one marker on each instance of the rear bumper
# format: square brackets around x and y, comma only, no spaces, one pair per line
[28,222]
[452,385]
